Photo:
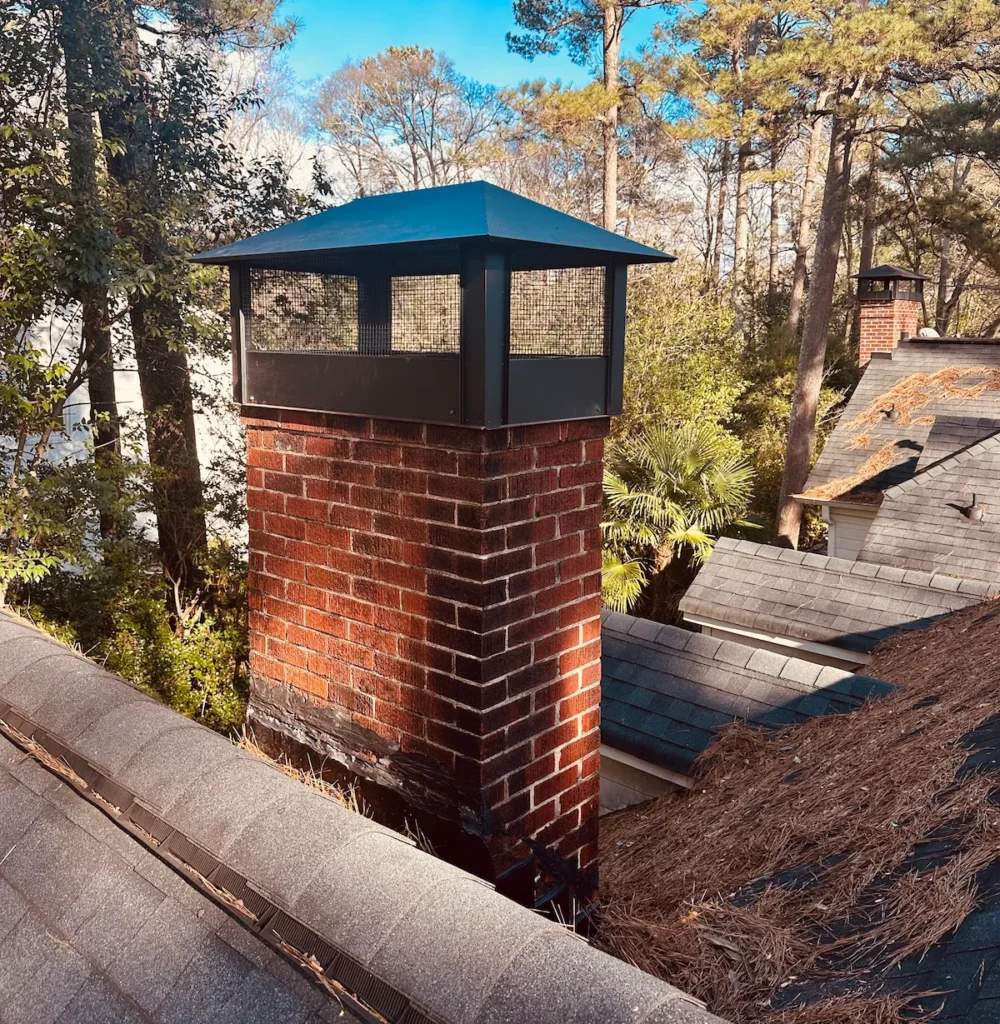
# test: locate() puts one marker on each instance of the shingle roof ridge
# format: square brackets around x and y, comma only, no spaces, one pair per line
[690,645]
[893,574]
[984,444]
[365,885]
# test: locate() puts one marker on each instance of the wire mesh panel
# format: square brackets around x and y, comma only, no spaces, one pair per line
[296,311]
[303,312]
[557,312]
[426,313]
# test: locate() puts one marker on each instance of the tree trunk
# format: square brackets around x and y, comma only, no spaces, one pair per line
[614,17]
[90,224]
[803,234]
[802,425]
[740,247]
[156,321]
[867,251]
[720,217]
[774,226]
[942,312]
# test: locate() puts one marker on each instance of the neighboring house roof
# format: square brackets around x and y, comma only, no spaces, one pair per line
[834,601]
[666,691]
[881,832]
[924,523]
[391,929]
[93,927]
[469,211]
[952,434]
[921,380]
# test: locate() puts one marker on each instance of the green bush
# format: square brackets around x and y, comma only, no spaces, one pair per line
[119,612]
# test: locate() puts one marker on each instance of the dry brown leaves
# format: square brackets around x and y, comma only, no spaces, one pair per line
[872,466]
[918,390]
[907,397]
[346,796]
[852,796]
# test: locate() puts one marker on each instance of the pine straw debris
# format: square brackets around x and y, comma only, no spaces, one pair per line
[797,868]
[872,466]
[346,796]
[906,398]
[915,392]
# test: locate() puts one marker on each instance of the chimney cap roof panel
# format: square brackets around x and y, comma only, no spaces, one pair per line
[450,213]
[890,271]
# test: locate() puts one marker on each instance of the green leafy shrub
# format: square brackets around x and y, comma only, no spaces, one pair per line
[192,655]
[667,493]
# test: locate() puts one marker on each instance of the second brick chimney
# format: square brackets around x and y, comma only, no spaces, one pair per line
[891,304]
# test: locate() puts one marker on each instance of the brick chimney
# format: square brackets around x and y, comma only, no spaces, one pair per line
[426,382]
[890,305]
[425,605]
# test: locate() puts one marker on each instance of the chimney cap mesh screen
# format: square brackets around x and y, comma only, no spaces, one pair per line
[295,311]
[557,312]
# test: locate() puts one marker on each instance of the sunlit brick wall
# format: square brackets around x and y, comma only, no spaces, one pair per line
[441,586]
[882,321]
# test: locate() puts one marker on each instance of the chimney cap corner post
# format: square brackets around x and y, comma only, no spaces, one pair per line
[465,304]
[426,380]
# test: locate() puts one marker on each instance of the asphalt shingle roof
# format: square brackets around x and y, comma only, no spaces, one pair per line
[842,456]
[834,601]
[665,691]
[923,523]
[416,938]
[93,927]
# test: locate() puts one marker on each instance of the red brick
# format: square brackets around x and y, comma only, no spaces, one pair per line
[434,580]
[578,749]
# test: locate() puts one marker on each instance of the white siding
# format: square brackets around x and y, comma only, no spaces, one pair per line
[848,530]
[623,786]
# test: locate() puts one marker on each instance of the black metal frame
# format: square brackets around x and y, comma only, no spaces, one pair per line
[896,289]
[481,386]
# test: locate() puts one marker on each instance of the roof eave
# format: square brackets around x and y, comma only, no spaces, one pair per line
[647,255]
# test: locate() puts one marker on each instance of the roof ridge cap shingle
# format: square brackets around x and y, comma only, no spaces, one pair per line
[932,469]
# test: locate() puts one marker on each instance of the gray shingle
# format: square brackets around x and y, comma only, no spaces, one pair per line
[49,988]
[52,863]
[113,905]
[278,848]
[552,979]
[113,738]
[242,788]
[810,602]
[100,1003]
[355,895]
[456,911]
[684,686]
[172,761]
[208,982]
[768,662]
[157,954]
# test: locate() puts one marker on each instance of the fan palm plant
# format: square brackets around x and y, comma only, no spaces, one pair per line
[668,492]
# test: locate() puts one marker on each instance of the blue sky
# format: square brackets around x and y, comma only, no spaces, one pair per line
[471,32]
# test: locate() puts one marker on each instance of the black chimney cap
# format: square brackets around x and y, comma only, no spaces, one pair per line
[475,211]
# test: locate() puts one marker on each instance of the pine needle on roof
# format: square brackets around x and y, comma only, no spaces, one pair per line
[820,854]
[918,390]
[872,466]
[346,796]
